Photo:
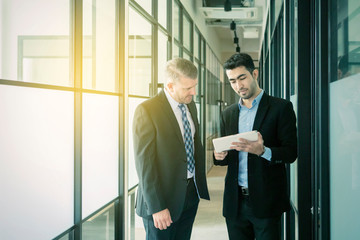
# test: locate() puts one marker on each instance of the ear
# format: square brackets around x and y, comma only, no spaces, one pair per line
[170,86]
[255,74]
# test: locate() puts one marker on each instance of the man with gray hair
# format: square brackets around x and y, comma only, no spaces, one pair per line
[169,156]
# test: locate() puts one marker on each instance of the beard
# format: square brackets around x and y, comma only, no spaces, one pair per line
[251,91]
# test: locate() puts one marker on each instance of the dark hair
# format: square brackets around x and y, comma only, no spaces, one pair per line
[238,60]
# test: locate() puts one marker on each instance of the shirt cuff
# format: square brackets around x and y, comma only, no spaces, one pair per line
[267,154]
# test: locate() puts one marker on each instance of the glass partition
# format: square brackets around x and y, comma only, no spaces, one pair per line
[176,21]
[162,12]
[146,5]
[36,162]
[100,153]
[140,59]
[101,226]
[99,42]
[163,43]
[345,120]
[35,44]
[187,28]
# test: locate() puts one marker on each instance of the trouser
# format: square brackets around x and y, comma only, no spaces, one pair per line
[248,227]
[181,228]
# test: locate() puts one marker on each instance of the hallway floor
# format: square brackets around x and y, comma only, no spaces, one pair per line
[209,222]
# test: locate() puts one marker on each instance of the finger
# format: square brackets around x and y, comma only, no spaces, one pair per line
[162,226]
[243,140]
[156,225]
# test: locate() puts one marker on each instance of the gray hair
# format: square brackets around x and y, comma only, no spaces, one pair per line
[180,67]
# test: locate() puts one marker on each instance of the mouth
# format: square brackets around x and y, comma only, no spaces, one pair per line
[242,91]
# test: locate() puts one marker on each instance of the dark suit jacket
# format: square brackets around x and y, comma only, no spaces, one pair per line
[275,120]
[160,158]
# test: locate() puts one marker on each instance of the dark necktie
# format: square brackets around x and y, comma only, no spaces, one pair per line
[187,139]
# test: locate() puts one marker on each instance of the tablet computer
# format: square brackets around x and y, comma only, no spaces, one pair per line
[224,143]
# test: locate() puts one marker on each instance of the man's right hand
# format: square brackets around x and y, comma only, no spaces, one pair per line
[162,219]
[220,155]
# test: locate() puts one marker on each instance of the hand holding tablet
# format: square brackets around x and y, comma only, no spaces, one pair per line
[224,143]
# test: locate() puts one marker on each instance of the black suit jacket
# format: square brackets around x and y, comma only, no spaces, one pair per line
[275,120]
[160,158]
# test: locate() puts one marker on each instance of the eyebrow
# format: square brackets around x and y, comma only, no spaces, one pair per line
[238,77]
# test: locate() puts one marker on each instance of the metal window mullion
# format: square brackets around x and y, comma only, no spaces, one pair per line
[77,33]
[121,14]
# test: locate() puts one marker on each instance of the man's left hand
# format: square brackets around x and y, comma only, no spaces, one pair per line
[254,147]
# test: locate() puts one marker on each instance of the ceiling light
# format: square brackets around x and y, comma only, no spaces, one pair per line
[232,25]
[227,6]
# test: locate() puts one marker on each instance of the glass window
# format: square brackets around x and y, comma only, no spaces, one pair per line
[100,154]
[176,23]
[187,32]
[145,4]
[135,223]
[162,56]
[277,8]
[101,226]
[162,12]
[68,236]
[196,44]
[32,49]
[140,59]
[186,56]
[293,54]
[345,120]
[176,51]
[99,45]
[36,162]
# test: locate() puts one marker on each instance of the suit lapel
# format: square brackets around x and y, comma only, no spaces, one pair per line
[234,120]
[261,112]
[170,114]
[193,113]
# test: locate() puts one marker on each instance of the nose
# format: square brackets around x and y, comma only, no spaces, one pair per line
[193,91]
[238,84]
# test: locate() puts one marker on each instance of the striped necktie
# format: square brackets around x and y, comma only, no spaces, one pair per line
[187,140]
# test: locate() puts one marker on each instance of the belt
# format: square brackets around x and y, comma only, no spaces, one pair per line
[243,191]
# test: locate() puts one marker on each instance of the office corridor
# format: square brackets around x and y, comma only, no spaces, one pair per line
[209,222]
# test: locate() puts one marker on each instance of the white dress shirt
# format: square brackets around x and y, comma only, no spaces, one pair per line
[174,105]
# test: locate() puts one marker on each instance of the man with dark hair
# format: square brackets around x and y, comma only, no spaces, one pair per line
[255,193]
[169,156]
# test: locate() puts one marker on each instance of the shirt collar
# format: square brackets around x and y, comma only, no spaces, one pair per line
[255,102]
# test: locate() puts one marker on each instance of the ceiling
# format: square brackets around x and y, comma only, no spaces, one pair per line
[248,20]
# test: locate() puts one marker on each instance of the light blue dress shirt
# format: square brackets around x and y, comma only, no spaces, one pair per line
[246,123]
